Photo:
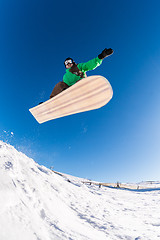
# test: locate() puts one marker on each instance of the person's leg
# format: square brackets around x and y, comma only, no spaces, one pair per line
[59,87]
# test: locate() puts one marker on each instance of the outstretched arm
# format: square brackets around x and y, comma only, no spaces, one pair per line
[90,65]
[94,63]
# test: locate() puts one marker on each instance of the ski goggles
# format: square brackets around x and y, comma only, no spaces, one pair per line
[68,62]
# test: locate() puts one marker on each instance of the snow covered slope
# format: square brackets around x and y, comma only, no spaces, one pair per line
[37,204]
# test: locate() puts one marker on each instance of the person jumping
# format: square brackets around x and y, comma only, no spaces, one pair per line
[76,72]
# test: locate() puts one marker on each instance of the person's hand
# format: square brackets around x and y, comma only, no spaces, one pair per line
[105,53]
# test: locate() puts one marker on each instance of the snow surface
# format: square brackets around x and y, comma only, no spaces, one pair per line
[38,204]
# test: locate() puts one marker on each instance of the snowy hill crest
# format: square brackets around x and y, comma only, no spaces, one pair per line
[37,204]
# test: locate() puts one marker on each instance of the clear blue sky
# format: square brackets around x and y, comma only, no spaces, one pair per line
[119,142]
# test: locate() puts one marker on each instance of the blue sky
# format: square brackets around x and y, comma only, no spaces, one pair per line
[119,142]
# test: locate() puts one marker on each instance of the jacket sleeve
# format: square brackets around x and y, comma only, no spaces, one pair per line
[90,65]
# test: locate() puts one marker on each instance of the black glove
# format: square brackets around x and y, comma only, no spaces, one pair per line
[105,53]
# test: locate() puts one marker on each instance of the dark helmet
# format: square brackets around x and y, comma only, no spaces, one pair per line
[68,60]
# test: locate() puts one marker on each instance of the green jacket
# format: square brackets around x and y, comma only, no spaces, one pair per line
[70,78]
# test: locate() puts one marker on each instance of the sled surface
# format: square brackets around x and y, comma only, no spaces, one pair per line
[87,94]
